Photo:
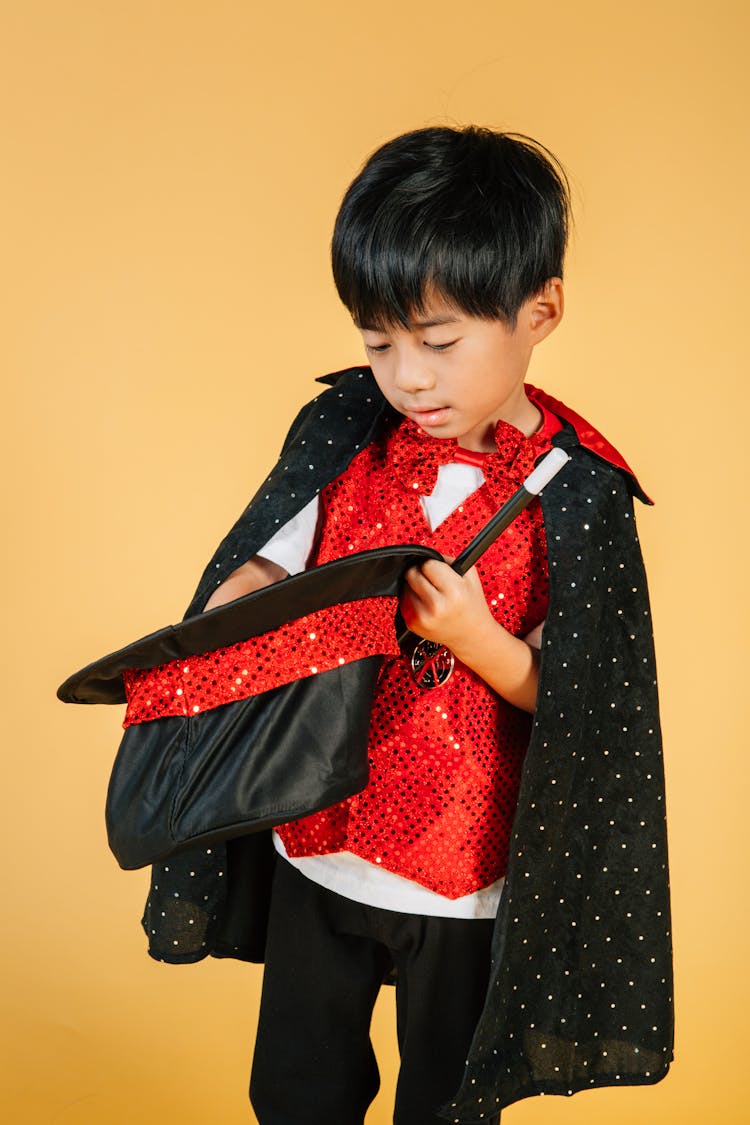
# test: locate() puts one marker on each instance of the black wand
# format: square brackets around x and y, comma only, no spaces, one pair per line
[431,662]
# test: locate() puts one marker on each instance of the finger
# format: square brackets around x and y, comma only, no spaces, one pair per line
[445,580]
[414,579]
[422,596]
[413,610]
[440,575]
[420,581]
[472,577]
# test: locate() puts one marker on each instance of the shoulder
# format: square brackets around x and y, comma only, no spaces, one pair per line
[348,376]
[349,409]
[589,438]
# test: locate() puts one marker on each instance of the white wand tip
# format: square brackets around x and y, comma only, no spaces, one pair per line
[546,470]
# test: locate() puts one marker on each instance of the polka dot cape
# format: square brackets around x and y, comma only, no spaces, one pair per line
[581,988]
[581,991]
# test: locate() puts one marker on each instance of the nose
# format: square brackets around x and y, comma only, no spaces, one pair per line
[412,373]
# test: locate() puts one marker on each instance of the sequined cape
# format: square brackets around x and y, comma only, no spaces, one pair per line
[580,994]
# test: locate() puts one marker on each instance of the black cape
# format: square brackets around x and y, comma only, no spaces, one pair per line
[581,988]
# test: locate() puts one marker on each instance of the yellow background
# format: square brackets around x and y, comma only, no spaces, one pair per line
[168,184]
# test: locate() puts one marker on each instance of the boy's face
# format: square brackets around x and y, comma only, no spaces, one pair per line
[457,375]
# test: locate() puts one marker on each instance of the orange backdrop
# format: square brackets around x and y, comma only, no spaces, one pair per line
[170,177]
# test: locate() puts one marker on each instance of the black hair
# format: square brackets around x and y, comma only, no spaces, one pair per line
[481,217]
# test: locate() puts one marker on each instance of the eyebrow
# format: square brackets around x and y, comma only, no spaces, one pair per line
[435,322]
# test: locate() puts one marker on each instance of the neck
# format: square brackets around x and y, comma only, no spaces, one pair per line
[521,413]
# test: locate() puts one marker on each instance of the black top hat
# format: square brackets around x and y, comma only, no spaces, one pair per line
[367,574]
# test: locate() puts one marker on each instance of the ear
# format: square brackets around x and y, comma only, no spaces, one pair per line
[545,309]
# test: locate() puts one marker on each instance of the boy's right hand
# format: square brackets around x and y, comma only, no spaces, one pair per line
[253,575]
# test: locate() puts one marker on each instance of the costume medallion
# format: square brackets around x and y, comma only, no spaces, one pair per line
[431,664]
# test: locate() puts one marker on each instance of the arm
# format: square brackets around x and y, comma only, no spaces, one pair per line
[442,606]
[285,553]
[251,576]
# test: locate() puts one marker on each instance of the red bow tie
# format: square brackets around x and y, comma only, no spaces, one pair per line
[416,457]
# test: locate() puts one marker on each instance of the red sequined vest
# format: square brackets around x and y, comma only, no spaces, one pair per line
[445,765]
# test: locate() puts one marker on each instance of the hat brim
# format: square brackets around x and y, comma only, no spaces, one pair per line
[367,574]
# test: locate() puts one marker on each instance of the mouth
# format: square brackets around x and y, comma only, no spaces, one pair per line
[429,416]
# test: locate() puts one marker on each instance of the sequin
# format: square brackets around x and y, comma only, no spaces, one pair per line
[443,779]
[332,636]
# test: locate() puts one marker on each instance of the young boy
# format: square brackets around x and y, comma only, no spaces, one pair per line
[507,858]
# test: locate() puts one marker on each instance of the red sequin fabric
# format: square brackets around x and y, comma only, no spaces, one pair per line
[445,765]
[303,647]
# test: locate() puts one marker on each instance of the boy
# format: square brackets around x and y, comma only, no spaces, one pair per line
[507,857]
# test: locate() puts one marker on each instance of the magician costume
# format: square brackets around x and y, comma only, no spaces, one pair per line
[580,989]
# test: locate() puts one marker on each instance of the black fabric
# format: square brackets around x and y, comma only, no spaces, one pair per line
[189,914]
[363,575]
[183,782]
[580,994]
[327,958]
[324,438]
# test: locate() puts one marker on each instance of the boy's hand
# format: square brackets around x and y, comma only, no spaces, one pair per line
[443,606]
[253,575]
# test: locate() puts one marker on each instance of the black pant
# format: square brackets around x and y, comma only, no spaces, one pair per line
[326,960]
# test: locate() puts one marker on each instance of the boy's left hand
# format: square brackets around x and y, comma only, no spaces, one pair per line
[443,606]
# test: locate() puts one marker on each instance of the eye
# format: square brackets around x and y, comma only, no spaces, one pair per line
[377,349]
[440,347]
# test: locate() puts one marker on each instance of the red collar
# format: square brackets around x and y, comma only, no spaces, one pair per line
[587,435]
